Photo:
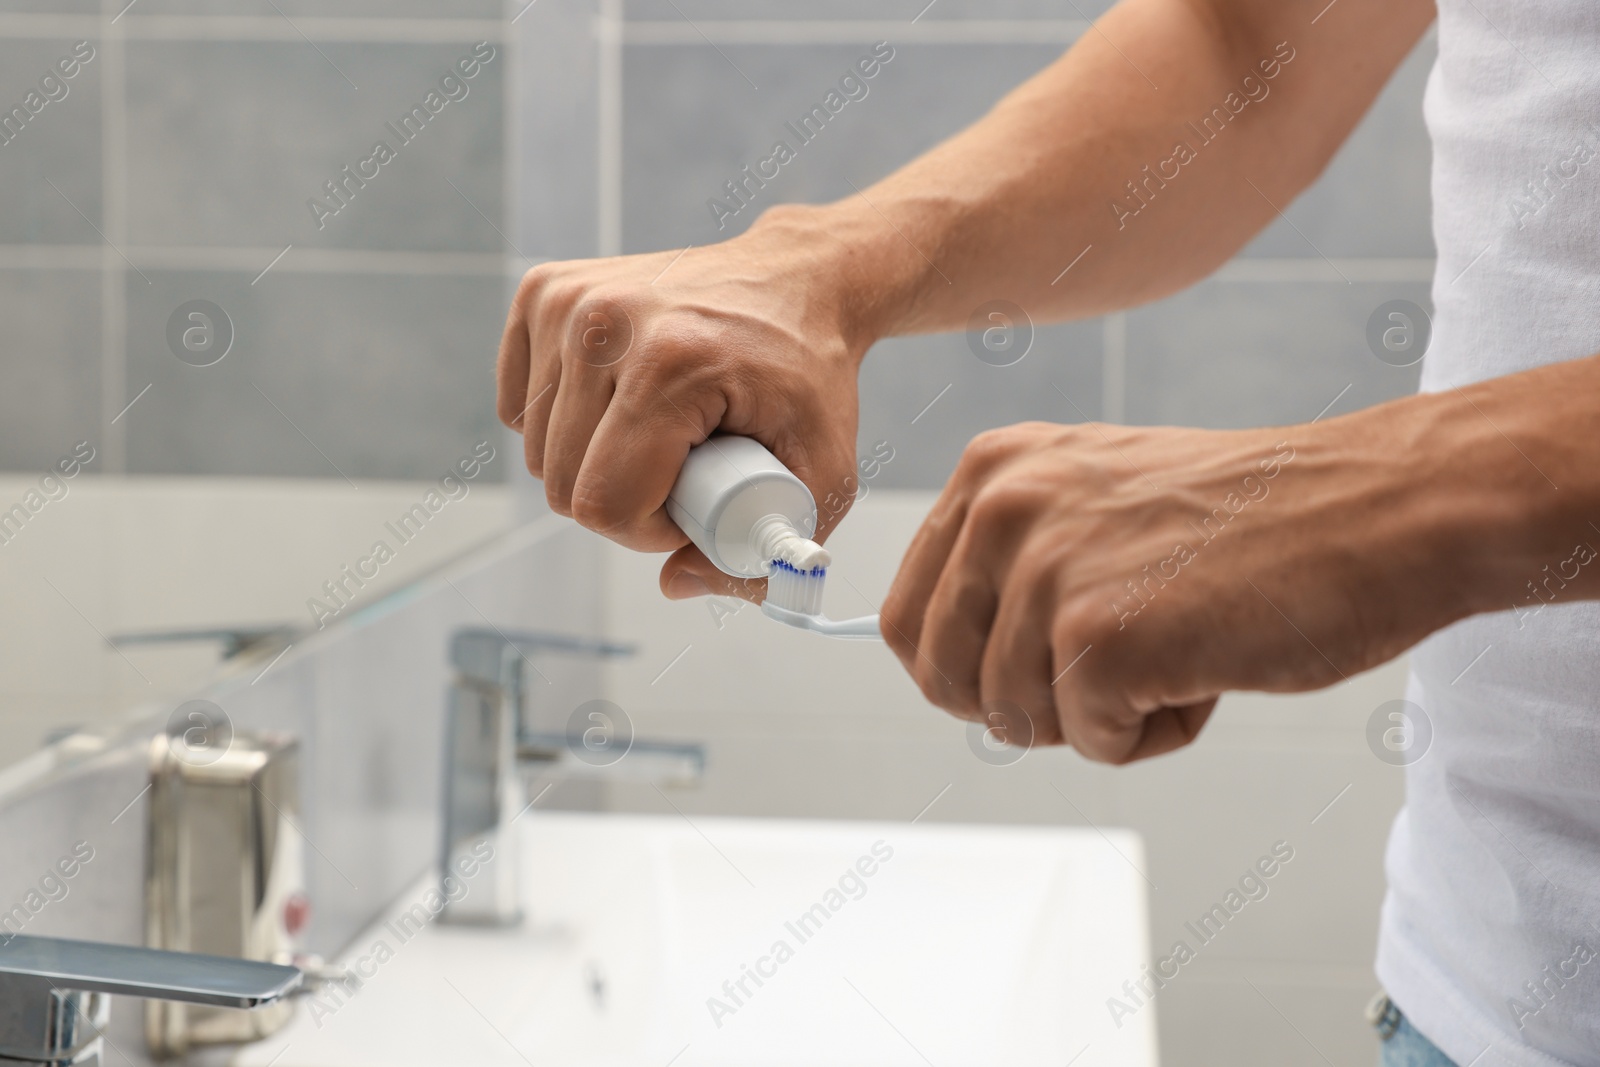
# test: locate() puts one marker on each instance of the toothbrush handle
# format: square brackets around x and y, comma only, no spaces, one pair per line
[864,628]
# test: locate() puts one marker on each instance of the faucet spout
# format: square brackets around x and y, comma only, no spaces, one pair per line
[487,747]
[56,991]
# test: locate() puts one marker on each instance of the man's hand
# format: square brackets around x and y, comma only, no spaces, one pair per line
[613,368]
[1102,585]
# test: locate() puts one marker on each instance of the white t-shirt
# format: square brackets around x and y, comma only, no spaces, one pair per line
[1490,939]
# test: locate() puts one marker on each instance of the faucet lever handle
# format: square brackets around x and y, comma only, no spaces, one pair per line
[92,967]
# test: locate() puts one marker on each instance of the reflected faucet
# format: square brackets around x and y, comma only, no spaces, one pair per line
[488,749]
[55,994]
[233,639]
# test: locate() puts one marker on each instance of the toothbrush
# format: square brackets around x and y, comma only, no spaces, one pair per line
[794,597]
[752,517]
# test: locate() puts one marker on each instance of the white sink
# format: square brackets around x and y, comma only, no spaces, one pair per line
[941,945]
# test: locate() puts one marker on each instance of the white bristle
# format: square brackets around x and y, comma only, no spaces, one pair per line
[795,590]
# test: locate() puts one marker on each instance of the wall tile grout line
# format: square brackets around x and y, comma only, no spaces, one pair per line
[114,222]
[854,31]
[609,38]
[250,258]
[1373,270]
[510,145]
[137,27]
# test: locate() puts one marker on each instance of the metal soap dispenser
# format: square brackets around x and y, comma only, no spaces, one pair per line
[224,872]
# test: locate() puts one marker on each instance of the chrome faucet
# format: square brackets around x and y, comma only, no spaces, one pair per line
[488,749]
[55,994]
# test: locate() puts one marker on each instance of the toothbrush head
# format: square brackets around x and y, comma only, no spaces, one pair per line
[796,575]
[796,589]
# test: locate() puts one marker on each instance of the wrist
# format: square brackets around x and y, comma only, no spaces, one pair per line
[1492,521]
[849,259]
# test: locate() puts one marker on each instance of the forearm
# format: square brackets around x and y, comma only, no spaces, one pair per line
[1180,564]
[1506,474]
[1084,160]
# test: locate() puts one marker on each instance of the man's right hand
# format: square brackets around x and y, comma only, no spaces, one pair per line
[612,369]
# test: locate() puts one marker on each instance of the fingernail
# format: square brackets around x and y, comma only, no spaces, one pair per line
[684,585]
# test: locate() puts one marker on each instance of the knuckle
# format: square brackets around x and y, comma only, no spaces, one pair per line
[1078,618]
[1100,753]
[1090,739]
[589,512]
[935,688]
[556,298]
[987,449]
[507,409]
[1114,749]
[656,359]
[593,507]
[558,497]
[533,454]
[605,303]
[1047,730]
[534,282]
[993,448]
[892,621]
[962,701]
[1002,504]
[894,615]
[603,298]
[676,345]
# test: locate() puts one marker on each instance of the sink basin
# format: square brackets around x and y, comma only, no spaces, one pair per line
[747,943]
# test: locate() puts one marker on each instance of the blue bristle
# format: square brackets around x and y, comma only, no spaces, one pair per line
[796,589]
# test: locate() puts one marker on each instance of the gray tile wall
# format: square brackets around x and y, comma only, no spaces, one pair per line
[50,375]
[556,132]
[341,374]
[60,145]
[229,152]
[928,396]
[179,166]
[740,97]
[1229,354]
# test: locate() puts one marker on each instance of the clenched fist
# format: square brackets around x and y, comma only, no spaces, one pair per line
[613,369]
[1103,585]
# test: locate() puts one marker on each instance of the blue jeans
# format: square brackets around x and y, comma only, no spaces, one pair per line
[1408,1048]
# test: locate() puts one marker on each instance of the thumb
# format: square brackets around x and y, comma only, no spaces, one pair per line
[687,573]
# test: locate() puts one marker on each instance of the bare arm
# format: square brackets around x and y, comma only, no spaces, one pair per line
[612,369]
[1102,586]
[1161,141]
